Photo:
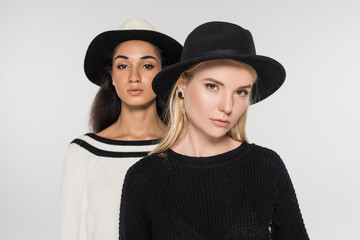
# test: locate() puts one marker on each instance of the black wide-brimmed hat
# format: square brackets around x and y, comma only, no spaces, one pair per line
[222,40]
[98,54]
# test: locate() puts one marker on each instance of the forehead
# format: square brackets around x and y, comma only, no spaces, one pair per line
[224,70]
[136,47]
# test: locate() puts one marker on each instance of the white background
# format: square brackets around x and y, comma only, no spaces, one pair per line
[312,121]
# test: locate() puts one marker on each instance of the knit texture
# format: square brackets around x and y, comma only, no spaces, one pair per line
[242,194]
[93,175]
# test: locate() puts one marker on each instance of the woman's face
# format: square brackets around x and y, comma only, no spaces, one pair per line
[135,64]
[215,97]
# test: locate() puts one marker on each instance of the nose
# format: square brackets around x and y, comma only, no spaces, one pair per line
[134,75]
[226,103]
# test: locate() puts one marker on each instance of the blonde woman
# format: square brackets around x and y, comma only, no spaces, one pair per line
[126,124]
[204,180]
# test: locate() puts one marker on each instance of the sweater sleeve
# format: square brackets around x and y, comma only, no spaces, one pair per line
[134,221]
[73,197]
[289,223]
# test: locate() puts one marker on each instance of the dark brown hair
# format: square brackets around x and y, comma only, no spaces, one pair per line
[106,107]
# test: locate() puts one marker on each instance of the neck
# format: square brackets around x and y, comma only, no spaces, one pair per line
[201,145]
[136,123]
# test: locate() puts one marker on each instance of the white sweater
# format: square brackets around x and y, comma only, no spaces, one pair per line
[93,175]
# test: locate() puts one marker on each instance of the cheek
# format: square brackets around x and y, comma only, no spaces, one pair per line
[199,103]
[119,82]
[118,77]
[120,91]
[147,77]
[240,108]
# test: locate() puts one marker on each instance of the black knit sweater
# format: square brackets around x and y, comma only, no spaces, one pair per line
[244,194]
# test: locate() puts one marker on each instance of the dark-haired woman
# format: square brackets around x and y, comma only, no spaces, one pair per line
[126,125]
[204,180]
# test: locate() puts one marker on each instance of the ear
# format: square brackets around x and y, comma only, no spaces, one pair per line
[181,83]
[111,77]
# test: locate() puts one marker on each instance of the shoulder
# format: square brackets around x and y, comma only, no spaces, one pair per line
[149,167]
[268,162]
[263,150]
[265,155]
[80,141]
[77,153]
[76,145]
[146,165]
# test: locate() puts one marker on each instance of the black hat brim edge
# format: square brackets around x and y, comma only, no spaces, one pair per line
[97,55]
[271,74]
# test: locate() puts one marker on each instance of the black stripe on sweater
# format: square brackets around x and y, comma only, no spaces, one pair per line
[104,153]
[122,142]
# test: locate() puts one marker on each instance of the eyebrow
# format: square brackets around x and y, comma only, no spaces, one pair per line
[121,56]
[142,58]
[222,84]
[214,81]
[147,57]
[246,86]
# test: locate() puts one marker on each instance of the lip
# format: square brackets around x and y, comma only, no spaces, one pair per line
[220,122]
[134,91]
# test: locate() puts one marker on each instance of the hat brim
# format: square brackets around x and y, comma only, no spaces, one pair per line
[99,52]
[271,74]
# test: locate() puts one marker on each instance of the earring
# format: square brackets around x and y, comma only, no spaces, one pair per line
[113,83]
[180,95]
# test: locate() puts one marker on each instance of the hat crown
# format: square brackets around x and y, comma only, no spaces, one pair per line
[137,24]
[218,37]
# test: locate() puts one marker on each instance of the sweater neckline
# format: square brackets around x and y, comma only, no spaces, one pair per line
[122,142]
[209,161]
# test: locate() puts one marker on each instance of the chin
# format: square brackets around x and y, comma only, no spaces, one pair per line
[139,102]
[216,134]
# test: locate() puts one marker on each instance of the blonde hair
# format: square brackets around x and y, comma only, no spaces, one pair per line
[177,116]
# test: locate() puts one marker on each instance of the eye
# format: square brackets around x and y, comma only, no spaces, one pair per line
[148,66]
[211,86]
[242,92]
[121,66]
